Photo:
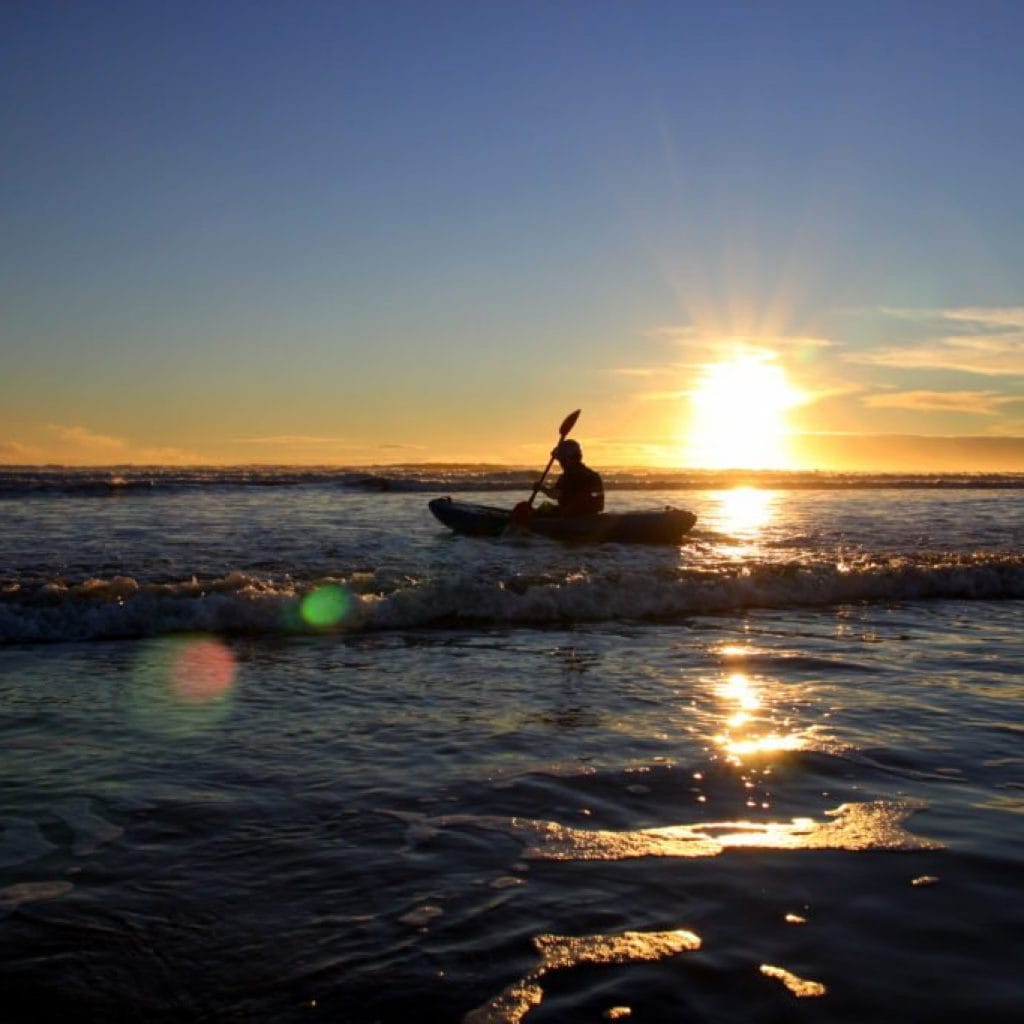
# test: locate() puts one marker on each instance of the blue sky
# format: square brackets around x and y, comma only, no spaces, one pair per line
[363,232]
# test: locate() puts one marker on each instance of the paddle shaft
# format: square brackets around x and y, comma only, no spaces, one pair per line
[567,424]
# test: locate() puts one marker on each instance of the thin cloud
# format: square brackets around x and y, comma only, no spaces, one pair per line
[1010,317]
[984,357]
[987,341]
[15,451]
[83,437]
[992,317]
[982,403]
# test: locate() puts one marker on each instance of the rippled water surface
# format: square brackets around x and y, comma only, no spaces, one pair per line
[271,754]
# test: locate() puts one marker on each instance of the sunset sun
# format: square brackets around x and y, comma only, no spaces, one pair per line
[738,416]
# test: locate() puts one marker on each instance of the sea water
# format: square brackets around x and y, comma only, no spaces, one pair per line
[277,746]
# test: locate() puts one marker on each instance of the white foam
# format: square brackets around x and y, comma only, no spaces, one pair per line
[243,603]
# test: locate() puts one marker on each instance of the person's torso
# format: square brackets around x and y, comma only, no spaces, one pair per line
[580,492]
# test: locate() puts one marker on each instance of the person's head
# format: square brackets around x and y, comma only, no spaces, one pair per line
[568,452]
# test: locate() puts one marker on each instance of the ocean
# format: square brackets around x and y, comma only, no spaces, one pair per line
[277,746]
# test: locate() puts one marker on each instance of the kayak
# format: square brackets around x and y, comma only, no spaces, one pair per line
[663,526]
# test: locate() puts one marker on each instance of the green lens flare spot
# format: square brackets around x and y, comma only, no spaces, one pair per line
[325,606]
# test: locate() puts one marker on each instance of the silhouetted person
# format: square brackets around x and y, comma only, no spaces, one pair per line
[579,490]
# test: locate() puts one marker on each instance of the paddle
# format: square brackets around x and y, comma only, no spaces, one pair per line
[521,512]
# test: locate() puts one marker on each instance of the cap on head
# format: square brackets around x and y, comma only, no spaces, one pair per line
[568,451]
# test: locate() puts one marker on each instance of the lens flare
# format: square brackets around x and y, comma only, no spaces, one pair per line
[182,684]
[326,606]
[201,671]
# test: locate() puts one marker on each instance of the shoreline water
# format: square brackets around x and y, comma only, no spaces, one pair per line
[277,751]
[512,825]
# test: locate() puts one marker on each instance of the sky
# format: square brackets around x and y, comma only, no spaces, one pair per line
[368,233]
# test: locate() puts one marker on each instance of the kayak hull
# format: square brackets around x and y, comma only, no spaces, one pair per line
[664,526]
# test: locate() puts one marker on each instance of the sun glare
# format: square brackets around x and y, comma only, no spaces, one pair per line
[739,416]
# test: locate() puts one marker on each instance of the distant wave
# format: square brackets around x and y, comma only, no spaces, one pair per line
[34,610]
[20,481]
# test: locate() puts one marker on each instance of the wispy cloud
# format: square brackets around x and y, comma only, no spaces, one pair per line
[15,451]
[983,341]
[982,403]
[966,355]
[84,438]
[1009,317]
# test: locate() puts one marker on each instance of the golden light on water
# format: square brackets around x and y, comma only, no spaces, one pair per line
[560,952]
[739,689]
[748,734]
[768,744]
[738,415]
[875,825]
[745,510]
[800,987]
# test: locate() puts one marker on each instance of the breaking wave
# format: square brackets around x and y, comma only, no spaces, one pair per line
[54,610]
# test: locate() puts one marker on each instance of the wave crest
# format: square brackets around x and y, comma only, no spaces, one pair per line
[239,602]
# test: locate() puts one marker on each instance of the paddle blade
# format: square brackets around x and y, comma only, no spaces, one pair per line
[521,514]
[568,423]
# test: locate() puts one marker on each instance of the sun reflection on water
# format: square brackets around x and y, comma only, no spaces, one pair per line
[747,733]
[802,988]
[746,510]
[874,825]
[560,952]
[739,688]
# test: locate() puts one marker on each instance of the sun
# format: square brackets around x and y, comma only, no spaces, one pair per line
[738,416]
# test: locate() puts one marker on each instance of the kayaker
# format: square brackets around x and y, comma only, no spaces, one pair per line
[579,491]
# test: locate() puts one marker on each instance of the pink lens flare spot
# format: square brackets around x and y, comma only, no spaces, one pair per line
[202,671]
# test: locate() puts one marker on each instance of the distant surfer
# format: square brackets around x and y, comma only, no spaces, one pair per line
[579,491]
